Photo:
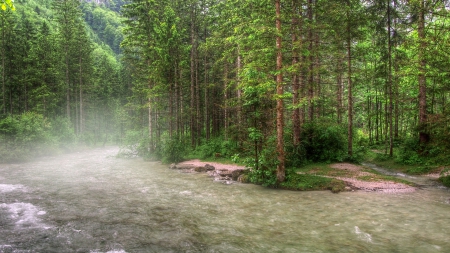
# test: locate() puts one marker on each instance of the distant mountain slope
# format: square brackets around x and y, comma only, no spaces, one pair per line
[102,19]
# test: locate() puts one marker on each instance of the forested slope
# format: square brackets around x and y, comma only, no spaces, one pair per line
[62,79]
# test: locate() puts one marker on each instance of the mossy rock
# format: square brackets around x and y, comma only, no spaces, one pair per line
[445,180]
[236,173]
[243,178]
[337,186]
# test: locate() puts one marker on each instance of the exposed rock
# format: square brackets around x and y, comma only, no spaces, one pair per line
[200,169]
[243,178]
[236,173]
[224,173]
[209,167]
[173,166]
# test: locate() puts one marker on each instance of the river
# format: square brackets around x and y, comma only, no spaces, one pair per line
[91,201]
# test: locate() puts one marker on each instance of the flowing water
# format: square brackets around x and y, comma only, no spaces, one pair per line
[93,202]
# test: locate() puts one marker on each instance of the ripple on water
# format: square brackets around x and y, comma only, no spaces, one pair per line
[11,187]
[111,251]
[24,215]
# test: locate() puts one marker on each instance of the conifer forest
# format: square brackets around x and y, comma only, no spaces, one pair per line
[271,84]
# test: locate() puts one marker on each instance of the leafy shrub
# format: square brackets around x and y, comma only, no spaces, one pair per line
[419,170]
[173,149]
[445,177]
[27,135]
[408,154]
[263,175]
[210,148]
[134,144]
[306,182]
[62,130]
[324,142]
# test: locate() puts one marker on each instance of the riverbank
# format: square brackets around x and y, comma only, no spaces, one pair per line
[354,177]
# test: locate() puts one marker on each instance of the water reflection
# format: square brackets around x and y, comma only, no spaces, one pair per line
[93,202]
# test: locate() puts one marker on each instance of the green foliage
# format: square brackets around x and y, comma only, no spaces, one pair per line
[420,170]
[173,149]
[31,134]
[62,130]
[263,175]
[263,170]
[134,144]
[26,129]
[305,182]
[445,177]
[216,147]
[409,153]
[324,142]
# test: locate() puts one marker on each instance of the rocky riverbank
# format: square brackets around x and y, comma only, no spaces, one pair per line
[356,177]
[224,173]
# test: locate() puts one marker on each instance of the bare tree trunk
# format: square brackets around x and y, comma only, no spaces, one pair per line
[81,97]
[296,45]
[197,102]
[150,121]
[67,85]
[239,92]
[423,135]
[390,108]
[193,107]
[280,114]
[181,108]
[3,75]
[225,100]
[310,63]
[206,106]
[340,91]
[350,95]
[177,99]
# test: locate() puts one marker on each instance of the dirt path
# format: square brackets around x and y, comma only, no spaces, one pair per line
[372,184]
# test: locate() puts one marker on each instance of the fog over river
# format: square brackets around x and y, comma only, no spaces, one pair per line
[91,201]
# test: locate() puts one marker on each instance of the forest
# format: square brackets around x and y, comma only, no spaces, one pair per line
[273,84]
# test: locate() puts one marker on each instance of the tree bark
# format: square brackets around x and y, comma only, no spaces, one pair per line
[340,91]
[350,96]
[310,63]
[192,72]
[423,135]
[296,75]
[280,143]
[225,100]
[390,108]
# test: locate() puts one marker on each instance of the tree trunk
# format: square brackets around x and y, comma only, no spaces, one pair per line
[295,76]
[390,108]
[239,93]
[310,63]
[192,71]
[81,97]
[67,84]
[423,135]
[206,98]
[280,143]
[350,96]
[225,100]
[340,91]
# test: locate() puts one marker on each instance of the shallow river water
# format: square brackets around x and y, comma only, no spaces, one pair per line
[91,201]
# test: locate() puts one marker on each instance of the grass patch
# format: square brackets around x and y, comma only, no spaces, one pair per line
[307,182]
[390,163]
[378,176]
[445,177]
[322,169]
